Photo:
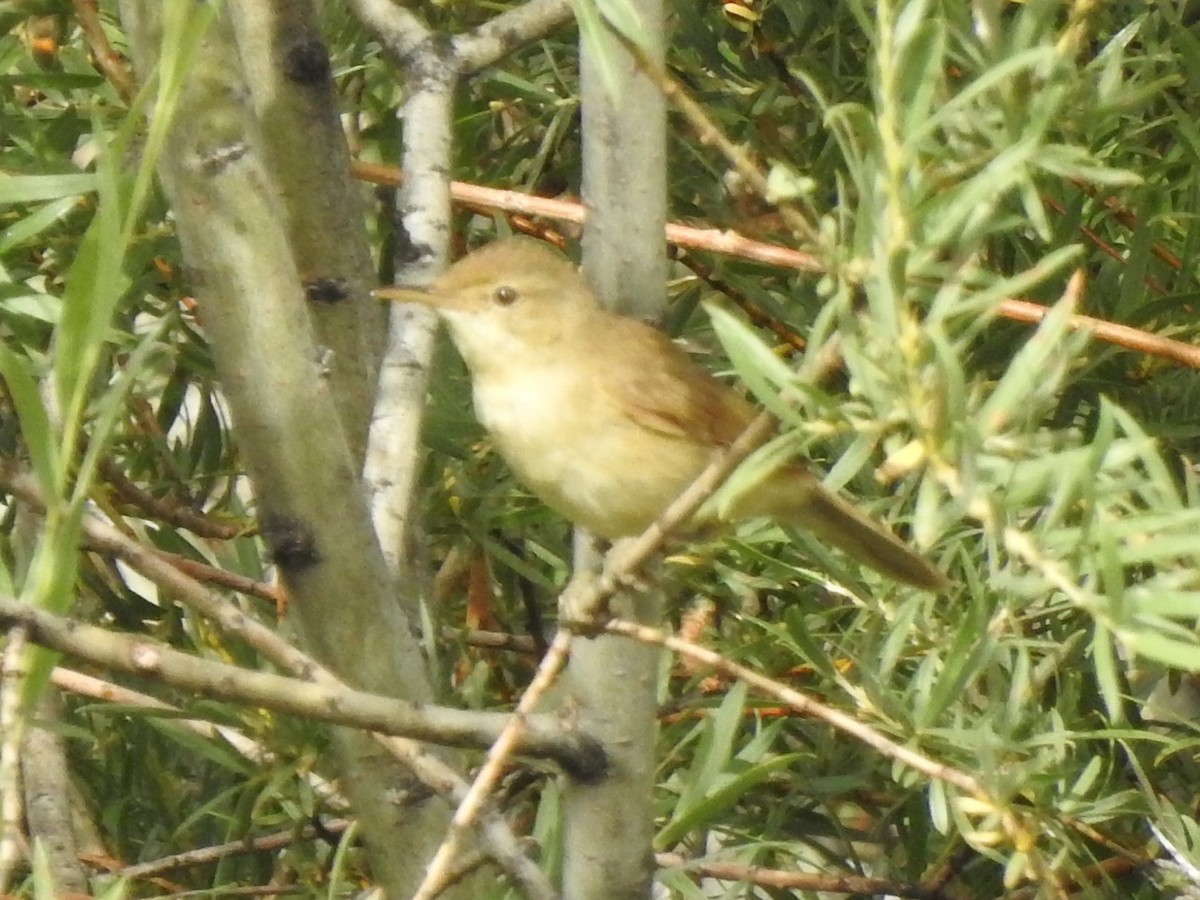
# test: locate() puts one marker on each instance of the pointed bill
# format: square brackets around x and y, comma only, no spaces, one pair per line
[400,294]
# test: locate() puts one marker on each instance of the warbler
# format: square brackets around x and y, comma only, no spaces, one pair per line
[606,419]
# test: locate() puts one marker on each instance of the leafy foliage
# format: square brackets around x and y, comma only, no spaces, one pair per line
[950,156]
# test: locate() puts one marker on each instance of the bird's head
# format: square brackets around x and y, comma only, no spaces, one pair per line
[510,299]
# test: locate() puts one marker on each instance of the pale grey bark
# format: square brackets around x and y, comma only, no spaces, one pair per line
[544,735]
[509,31]
[46,781]
[403,33]
[422,249]
[305,476]
[432,68]
[304,467]
[625,176]
[608,826]
[307,165]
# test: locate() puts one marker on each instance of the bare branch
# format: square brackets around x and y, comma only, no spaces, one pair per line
[1113,332]
[98,689]
[209,574]
[428,769]
[326,700]
[107,60]
[489,199]
[165,511]
[397,28]
[127,655]
[204,855]
[45,779]
[802,704]
[146,656]
[13,670]
[797,881]
[509,31]
[731,243]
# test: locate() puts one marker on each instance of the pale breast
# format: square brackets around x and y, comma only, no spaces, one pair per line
[583,457]
[528,413]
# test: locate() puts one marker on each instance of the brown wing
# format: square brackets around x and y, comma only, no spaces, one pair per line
[675,395]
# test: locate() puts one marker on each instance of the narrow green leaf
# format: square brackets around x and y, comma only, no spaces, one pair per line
[939,806]
[36,188]
[1168,603]
[762,371]
[39,220]
[626,18]
[1104,657]
[36,430]
[715,749]
[1088,778]
[1027,370]
[112,406]
[971,648]
[721,796]
[1184,655]
[44,887]
[593,33]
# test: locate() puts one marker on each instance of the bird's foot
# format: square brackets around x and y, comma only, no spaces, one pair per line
[581,607]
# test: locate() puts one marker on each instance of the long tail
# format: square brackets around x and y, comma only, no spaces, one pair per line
[837,522]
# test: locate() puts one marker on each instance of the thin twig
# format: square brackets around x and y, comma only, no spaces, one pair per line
[728,242]
[1130,221]
[621,565]
[114,66]
[317,696]
[1107,248]
[492,640]
[709,133]
[204,855]
[797,881]
[207,574]
[165,511]
[802,704]
[732,243]
[12,728]
[753,312]
[1113,333]
[473,803]
[98,689]
[430,770]
[502,844]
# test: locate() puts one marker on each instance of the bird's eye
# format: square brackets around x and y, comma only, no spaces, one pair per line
[505,295]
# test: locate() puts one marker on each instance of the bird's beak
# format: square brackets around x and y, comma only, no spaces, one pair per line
[423,296]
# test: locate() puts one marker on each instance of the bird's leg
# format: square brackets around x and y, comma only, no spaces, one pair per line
[579,609]
[580,606]
[586,603]
[628,574]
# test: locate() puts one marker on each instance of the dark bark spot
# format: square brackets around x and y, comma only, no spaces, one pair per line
[408,251]
[326,290]
[588,761]
[306,61]
[291,543]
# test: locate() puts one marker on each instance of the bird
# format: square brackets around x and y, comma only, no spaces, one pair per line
[607,420]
